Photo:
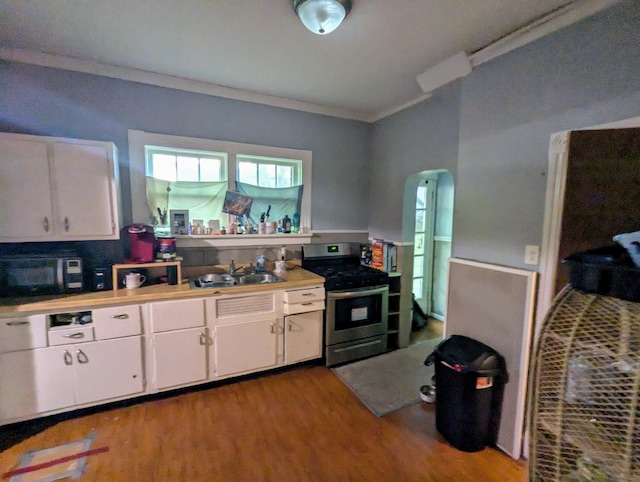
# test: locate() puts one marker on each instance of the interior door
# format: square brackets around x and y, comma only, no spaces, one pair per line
[424,242]
[592,195]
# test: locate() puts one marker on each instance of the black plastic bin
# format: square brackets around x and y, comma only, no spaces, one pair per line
[470,379]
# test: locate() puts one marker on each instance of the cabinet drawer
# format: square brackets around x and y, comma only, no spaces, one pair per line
[299,296]
[22,333]
[293,308]
[64,335]
[116,322]
[177,315]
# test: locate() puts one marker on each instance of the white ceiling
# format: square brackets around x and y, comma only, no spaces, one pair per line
[260,49]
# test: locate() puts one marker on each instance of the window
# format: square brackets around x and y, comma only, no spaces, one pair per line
[174,172]
[185,165]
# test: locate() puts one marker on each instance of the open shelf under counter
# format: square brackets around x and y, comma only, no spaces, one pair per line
[222,240]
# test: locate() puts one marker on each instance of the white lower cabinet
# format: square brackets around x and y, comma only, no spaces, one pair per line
[246,346]
[246,333]
[302,337]
[303,324]
[34,381]
[47,379]
[179,342]
[180,357]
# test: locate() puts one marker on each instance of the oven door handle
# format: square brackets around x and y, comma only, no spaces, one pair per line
[352,294]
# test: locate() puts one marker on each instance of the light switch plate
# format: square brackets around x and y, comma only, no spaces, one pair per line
[532,254]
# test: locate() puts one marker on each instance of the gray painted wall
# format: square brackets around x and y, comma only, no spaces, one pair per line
[583,75]
[421,138]
[44,101]
[491,130]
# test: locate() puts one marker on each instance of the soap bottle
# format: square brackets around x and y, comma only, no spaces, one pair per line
[295,225]
[286,224]
[261,261]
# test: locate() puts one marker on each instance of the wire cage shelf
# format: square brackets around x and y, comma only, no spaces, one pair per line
[585,418]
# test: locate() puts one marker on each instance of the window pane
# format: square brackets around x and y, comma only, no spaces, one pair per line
[248,172]
[418,265]
[188,168]
[285,176]
[210,169]
[417,287]
[164,167]
[419,221]
[421,197]
[418,247]
[267,175]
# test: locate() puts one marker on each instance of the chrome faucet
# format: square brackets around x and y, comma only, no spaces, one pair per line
[246,269]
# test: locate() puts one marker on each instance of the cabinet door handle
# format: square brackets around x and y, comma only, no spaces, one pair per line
[123,316]
[45,224]
[17,323]
[273,326]
[68,359]
[203,338]
[290,326]
[82,357]
[74,335]
[66,224]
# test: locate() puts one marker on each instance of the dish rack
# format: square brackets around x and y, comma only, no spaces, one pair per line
[585,418]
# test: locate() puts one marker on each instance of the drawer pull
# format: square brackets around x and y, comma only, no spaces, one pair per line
[68,359]
[307,304]
[82,357]
[17,323]
[123,316]
[308,294]
[74,335]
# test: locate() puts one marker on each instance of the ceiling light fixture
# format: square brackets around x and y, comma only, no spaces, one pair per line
[322,16]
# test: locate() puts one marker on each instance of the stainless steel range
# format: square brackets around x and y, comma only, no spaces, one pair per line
[357,302]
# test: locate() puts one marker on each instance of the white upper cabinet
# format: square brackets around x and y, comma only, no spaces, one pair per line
[54,189]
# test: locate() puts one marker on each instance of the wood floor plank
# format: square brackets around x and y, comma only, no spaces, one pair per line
[298,425]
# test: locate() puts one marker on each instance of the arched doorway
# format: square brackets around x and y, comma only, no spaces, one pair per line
[427,226]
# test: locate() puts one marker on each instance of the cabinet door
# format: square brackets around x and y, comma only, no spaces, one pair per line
[247,346]
[180,357]
[82,190]
[25,193]
[107,369]
[35,381]
[302,337]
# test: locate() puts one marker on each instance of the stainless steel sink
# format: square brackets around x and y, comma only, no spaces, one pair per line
[213,281]
[257,278]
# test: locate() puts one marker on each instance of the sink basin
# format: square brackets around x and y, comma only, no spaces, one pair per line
[258,278]
[213,281]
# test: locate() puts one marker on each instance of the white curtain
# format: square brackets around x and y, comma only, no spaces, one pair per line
[283,200]
[203,200]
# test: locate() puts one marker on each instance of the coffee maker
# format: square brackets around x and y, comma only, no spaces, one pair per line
[142,242]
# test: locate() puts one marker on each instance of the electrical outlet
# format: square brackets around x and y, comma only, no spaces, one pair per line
[532,254]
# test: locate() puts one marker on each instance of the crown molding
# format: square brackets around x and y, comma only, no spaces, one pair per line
[171,82]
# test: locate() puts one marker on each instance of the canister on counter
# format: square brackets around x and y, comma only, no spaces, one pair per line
[166,248]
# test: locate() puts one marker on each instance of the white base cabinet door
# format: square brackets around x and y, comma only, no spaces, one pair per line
[246,346]
[107,369]
[302,337]
[35,381]
[180,357]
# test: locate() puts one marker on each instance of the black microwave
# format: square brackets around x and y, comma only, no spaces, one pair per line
[25,274]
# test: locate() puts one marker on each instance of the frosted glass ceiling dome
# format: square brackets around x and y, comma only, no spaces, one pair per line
[322,16]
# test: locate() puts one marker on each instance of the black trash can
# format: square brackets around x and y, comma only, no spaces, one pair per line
[470,379]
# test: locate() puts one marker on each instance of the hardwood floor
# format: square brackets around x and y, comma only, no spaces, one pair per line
[299,425]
